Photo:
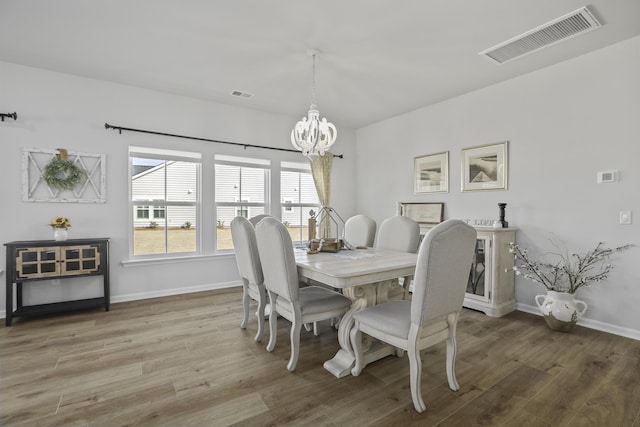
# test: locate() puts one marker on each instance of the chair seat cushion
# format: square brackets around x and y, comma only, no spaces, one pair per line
[394,318]
[316,300]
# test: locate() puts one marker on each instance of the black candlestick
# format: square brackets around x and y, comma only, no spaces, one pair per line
[504,223]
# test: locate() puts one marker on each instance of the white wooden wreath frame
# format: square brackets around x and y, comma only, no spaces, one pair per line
[35,189]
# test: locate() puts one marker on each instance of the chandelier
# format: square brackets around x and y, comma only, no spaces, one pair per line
[311,135]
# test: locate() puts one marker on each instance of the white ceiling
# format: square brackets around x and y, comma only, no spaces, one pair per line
[379,58]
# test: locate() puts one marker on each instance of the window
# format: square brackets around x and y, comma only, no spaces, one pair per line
[164,198]
[241,188]
[298,196]
[142,212]
[158,212]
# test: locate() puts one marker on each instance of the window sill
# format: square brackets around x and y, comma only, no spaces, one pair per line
[173,260]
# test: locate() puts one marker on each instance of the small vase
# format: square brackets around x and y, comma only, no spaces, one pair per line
[60,234]
[561,310]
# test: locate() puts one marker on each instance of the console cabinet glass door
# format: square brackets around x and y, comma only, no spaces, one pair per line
[79,259]
[37,262]
[34,263]
[479,283]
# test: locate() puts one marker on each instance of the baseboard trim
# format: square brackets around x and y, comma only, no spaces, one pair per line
[172,292]
[163,293]
[589,323]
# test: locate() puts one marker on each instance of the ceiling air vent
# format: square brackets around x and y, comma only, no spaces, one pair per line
[573,24]
[241,94]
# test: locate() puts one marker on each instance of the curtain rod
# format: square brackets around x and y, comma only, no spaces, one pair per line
[120,129]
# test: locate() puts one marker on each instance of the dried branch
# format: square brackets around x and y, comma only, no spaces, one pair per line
[570,273]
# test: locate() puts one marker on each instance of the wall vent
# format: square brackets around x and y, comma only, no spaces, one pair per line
[570,25]
[241,94]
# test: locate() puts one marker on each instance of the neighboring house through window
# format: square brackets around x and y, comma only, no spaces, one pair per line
[298,197]
[241,189]
[164,199]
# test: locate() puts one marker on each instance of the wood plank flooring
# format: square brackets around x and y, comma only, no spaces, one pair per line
[183,360]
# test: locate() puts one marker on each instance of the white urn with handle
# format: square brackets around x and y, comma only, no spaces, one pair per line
[561,310]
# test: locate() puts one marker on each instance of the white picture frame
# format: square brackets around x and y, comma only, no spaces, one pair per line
[423,213]
[431,173]
[90,190]
[485,167]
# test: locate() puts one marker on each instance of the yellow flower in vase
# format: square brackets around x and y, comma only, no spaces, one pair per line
[60,225]
[60,222]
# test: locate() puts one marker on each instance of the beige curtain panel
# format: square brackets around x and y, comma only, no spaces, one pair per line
[321,172]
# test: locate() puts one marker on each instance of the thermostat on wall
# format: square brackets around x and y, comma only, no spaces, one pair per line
[607,176]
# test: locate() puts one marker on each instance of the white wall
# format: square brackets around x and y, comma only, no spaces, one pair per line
[63,111]
[564,124]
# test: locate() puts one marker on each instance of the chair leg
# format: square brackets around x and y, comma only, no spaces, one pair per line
[452,349]
[273,323]
[316,331]
[245,306]
[415,375]
[262,303]
[356,343]
[295,345]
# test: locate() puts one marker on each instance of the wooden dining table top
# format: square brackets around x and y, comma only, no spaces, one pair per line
[348,268]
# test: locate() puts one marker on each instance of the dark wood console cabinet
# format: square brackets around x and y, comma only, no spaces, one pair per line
[34,260]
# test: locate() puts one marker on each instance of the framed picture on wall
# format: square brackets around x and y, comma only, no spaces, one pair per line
[431,173]
[423,213]
[485,167]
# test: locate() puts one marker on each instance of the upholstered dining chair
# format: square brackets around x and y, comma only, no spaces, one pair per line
[298,305]
[243,236]
[398,233]
[402,234]
[254,220]
[442,271]
[360,230]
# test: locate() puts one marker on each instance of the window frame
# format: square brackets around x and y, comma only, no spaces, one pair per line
[241,203]
[152,205]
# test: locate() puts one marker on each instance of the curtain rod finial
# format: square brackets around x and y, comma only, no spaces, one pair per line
[13,116]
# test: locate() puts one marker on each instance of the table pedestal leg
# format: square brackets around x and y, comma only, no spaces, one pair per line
[362,296]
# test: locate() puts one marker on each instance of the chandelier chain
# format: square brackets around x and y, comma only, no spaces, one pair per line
[313,81]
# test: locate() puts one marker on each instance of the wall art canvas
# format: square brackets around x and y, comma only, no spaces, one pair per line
[423,213]
[485,167]
[431,173]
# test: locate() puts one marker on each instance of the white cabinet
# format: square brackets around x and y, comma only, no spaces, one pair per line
[490,288]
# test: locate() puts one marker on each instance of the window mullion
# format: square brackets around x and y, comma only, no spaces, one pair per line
[166,228]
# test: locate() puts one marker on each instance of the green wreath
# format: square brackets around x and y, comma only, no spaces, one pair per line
[62,173]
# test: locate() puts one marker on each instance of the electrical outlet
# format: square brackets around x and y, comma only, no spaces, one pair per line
[625,217]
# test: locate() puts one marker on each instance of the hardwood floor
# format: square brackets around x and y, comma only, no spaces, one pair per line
[184,360]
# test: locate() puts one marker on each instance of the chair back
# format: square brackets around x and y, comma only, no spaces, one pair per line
[254,220]
[360,230]
[442,270]
[398,233]
[277,259]
[243,236]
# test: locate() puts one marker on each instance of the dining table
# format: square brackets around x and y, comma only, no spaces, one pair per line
[367,277]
